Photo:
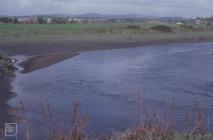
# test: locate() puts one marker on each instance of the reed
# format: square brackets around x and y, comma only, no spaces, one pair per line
[152,125]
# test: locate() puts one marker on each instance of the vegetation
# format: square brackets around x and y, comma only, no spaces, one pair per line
[58,29]
[162,28]
[153,125]
[8,20]
[113,32]
[133,27]
[6,66]
[188,27]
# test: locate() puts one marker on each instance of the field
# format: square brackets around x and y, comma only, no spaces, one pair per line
[98,31]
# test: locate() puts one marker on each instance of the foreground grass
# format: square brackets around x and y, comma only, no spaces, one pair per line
[153,125]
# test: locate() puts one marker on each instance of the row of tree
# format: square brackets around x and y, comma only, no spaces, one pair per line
[15,20]
[8,20]
[35,20]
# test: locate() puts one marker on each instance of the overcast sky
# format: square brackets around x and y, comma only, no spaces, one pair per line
[184,8]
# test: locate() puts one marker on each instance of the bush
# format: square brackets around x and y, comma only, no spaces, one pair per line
[1,56]
[192,28]
[161,28]
[188,27]
[133,27]
[209,24]
[6,66]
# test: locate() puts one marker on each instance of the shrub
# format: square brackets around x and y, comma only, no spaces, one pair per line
[133,27]
[192,28]
[189,27]
[209,24]
[1,56]
[6,66]
[161,28]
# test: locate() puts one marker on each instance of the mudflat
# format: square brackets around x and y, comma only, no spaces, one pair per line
[44,54]
[5,94]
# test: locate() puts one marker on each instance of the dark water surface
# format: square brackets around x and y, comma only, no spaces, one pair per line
[108,84]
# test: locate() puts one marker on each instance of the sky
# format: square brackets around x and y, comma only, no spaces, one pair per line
[180,8]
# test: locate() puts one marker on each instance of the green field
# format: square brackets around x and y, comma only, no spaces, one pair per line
[55,29]
[99,32]
[50,29]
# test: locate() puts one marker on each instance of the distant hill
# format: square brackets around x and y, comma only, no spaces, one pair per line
[3,15]
[90,15]
[96,15]
[124,16]
[110,16]
[172,18]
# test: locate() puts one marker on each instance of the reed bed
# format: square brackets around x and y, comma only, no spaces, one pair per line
[152,125]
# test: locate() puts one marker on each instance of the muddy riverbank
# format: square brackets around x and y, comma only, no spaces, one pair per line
[44,54]
[5,95]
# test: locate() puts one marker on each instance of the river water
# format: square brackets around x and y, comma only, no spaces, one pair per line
[108,84]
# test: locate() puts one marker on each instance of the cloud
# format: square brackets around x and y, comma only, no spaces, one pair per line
[186,8]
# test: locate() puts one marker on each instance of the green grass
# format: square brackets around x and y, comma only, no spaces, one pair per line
[50,29]
[40,29]
[114,32]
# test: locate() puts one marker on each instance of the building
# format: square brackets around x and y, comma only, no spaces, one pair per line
[157,22]
[200,21]
[179,23]
[28,20]
[49,20]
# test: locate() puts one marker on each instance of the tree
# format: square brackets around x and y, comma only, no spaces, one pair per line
[6,20]
[15,20]
[209,24]
[41,20]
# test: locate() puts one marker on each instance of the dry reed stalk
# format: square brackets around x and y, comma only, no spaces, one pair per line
[26,121]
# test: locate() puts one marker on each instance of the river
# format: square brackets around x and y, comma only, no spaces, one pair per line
[108,84]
